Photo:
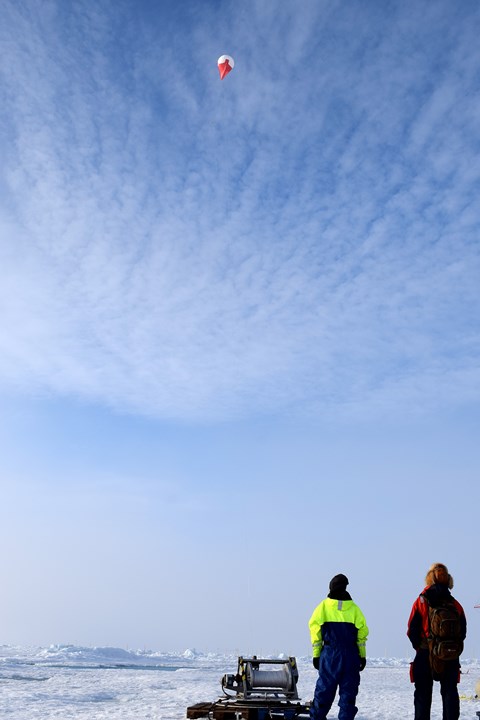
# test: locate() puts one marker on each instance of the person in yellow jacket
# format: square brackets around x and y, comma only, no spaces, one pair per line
[338,632]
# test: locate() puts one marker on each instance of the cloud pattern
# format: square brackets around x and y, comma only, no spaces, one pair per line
[302,237]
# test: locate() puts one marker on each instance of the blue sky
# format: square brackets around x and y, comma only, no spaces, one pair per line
[239,320]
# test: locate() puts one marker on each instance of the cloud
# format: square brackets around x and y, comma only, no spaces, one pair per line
[303,234]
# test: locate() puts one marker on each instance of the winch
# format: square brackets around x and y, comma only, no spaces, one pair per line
[261,689]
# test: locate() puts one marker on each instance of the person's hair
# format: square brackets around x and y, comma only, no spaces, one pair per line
[438,573]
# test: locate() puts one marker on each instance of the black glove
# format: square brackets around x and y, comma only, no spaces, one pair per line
[316,663]
[363,662]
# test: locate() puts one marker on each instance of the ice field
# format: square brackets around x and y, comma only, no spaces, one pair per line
[68,682]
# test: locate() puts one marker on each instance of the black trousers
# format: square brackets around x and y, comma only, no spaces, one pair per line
[423,679]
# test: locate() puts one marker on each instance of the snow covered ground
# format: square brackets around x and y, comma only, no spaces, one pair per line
[69,682]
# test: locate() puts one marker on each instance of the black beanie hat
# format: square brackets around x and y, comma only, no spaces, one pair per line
[339,582]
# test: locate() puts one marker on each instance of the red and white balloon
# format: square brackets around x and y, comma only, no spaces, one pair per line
[225,65]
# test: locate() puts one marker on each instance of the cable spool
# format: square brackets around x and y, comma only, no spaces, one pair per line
[267,679]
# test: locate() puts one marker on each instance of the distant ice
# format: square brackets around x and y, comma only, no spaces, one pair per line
[99,683]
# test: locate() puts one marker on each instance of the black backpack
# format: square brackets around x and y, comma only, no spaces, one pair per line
[445,637]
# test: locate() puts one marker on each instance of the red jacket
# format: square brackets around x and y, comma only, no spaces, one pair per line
[418,626]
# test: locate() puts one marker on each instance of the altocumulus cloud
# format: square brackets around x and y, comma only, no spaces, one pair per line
[302,236]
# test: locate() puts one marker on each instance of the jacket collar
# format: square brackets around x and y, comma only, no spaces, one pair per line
[339,595]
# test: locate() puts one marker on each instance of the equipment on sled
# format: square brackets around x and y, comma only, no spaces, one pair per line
[256,694]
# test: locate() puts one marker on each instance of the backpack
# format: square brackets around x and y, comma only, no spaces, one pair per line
[445,640]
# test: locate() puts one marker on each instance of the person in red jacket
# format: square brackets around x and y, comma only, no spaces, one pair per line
[438,582]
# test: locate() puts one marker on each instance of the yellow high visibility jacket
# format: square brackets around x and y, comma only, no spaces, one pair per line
[337,611]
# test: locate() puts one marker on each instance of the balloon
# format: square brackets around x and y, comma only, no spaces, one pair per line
[225,64]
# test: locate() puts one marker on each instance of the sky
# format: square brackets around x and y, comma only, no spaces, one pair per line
[239,319]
